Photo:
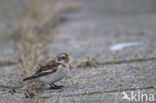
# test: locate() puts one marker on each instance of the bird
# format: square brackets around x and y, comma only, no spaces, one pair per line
[53,71]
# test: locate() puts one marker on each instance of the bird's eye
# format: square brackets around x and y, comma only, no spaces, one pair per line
[63,57]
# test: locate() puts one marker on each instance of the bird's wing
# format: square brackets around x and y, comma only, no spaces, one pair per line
[49,66]
[44,70]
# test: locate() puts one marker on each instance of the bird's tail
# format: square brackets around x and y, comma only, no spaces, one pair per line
[28,78]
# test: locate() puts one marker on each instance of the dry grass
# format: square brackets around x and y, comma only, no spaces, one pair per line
[4,62]
[37,20]
[39,17]
[32,34]
[89,62]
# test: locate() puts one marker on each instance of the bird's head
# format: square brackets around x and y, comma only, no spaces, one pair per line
[63,58]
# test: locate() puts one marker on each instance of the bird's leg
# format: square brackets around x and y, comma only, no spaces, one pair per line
[57,86]
[53,86]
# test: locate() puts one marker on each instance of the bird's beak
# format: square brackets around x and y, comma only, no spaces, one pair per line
[68,59]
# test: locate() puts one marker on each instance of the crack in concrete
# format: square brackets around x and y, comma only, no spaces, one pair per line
[84,93]
[94,62]
[128,61]
[111,91]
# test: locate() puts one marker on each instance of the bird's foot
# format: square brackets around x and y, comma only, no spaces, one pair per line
[56,87]
[59,86]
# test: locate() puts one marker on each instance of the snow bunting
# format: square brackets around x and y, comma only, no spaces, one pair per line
[53,72]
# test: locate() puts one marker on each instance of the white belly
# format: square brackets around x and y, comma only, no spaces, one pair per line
[59,75]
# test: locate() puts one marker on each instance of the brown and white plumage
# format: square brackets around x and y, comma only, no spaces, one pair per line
[53,72]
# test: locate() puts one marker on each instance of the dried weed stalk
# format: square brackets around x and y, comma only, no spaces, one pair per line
[32,34]
[87,63]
